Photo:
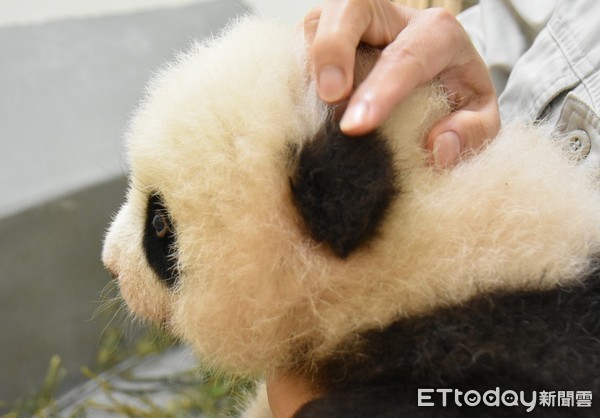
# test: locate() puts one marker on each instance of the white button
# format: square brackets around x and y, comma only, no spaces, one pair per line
[578,143]
[580,128]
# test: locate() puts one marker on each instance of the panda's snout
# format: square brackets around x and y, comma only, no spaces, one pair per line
[109,260]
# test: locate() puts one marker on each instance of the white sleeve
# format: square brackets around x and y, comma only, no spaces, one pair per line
[503,30]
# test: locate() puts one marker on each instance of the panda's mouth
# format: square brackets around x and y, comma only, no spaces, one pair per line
[113,273]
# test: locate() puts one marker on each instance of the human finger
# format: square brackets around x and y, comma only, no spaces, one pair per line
[416,56]
[462,131]
[432,44]
[310,24]
[341,26]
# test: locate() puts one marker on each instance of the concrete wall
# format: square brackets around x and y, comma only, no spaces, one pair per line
[68,87]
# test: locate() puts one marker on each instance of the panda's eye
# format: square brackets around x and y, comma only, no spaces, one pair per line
[160,222]
[159,242]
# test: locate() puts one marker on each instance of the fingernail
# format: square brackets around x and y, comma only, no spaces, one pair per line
[332,83]
[446,149]
[354,116]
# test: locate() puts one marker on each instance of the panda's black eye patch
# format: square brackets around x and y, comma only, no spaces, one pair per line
[159,241]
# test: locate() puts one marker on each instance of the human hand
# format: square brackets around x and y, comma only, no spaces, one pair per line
[418,46]
[287,394]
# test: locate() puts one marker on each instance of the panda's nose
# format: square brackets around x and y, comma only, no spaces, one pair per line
[113,273]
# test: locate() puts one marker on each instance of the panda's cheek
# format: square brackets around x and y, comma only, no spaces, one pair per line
[145,297]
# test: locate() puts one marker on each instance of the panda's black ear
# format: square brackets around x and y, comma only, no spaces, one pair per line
[343,186]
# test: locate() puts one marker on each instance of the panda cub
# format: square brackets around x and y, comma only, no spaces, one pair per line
[258,233]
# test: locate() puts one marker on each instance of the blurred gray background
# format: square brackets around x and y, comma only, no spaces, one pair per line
[71,73]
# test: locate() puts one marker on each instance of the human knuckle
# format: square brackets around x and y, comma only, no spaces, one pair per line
[312,16]
[445,22]
[441,15]
[484,127]
[407,54]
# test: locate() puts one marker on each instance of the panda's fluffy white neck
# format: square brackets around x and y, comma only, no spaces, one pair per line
[517,216]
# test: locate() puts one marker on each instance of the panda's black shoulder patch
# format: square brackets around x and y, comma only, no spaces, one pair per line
[343,186]
[159,241]
[514,340]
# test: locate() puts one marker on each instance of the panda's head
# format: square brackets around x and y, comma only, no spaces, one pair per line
[257,232]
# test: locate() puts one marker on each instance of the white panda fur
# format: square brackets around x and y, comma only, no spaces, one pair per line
[253,290]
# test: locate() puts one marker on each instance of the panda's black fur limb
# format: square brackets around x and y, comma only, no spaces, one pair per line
[522,341]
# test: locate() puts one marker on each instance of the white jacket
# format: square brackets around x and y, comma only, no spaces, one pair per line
[544,57]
